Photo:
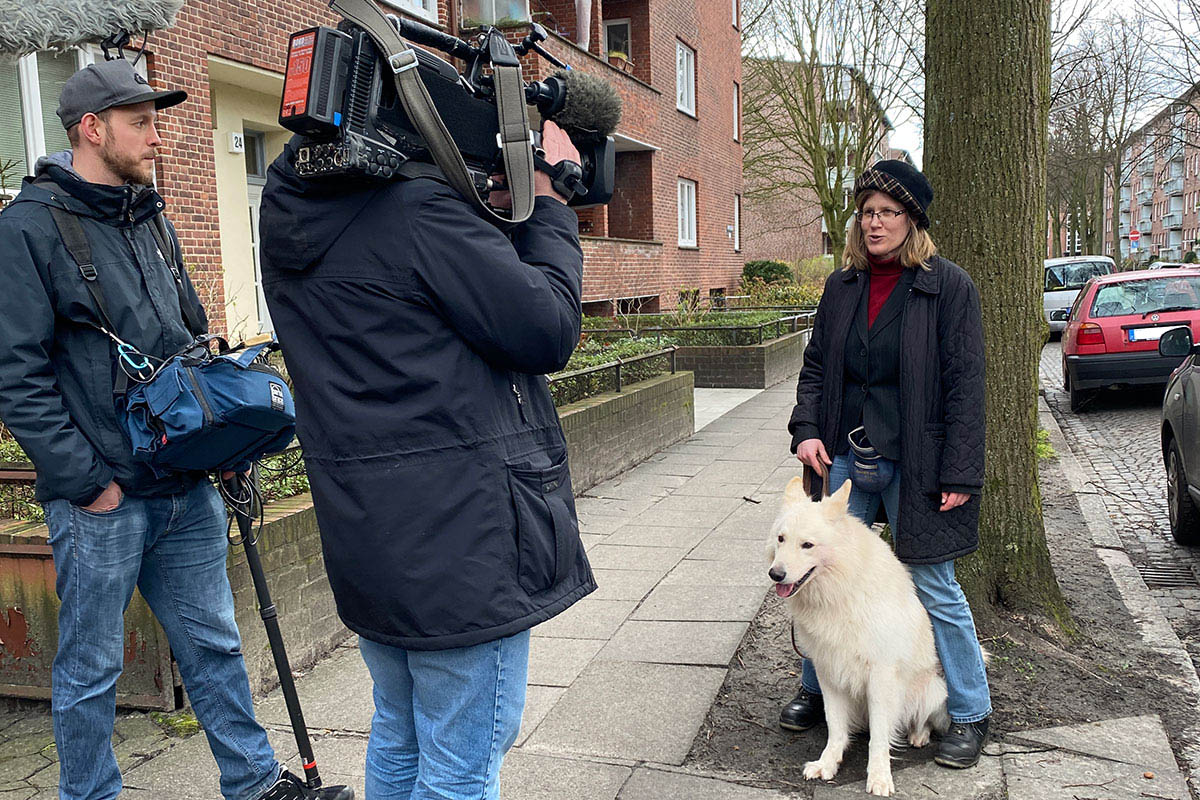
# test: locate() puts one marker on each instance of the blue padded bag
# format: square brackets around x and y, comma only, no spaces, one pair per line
[205,412]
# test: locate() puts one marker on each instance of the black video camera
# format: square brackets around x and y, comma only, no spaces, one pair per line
[340,97]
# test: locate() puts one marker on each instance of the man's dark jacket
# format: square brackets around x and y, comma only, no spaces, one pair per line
[941,402]
[417,335]
[56,369]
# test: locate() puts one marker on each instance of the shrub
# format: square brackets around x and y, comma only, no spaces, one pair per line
[1189,257]
[768,271]
[597,349]
[759,293]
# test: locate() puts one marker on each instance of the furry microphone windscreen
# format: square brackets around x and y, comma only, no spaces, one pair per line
[592,109]
[28,26]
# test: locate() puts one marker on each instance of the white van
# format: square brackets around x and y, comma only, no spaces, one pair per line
[1064,278]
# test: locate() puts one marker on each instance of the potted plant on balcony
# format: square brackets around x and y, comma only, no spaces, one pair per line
[619,60]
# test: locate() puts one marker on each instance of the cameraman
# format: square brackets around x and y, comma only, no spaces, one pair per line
[416,334]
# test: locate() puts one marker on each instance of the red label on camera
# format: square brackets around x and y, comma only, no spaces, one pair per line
[299,72]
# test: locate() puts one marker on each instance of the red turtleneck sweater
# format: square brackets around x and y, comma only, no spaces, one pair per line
[884,277]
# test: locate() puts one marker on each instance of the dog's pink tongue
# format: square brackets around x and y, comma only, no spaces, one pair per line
[783,589]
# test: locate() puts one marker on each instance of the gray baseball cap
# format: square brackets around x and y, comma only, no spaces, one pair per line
[108,84]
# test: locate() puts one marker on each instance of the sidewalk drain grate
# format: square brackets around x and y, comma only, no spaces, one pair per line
[1167,575]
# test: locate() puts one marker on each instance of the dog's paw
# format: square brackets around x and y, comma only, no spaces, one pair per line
[880,785]
[918,738]
[821,770]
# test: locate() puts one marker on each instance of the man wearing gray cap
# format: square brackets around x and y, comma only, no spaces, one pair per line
[93,282]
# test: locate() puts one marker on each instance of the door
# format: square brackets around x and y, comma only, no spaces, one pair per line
[254,193]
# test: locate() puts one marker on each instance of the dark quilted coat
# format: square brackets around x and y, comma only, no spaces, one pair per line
[941,403]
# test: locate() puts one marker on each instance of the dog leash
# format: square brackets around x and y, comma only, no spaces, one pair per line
[794,646]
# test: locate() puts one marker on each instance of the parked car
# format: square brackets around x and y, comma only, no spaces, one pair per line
[1112,332]
[1166,265]
[1064,278]
[1181,436]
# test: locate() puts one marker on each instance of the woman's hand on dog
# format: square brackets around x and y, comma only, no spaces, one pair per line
[810,450]
[953,500]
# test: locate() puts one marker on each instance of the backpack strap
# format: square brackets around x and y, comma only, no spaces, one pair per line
[163,239]
[75,240]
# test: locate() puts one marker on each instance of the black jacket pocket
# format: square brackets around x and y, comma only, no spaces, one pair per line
[547,533]
[933,443]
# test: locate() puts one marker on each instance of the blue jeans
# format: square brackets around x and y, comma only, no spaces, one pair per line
[173,549]
[953,626]
[443,718]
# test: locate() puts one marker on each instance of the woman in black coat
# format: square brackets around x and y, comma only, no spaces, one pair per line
[895,364]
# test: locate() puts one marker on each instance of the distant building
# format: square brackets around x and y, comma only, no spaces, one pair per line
[674,222]
[791,228]
[1160,196]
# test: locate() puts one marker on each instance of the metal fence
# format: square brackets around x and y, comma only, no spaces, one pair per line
[719,335]
[576,385]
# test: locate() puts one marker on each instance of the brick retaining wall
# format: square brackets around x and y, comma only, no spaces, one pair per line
[609,433]
[750,367]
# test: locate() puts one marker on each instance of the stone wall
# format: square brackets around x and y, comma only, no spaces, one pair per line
[609,433]
[750,367]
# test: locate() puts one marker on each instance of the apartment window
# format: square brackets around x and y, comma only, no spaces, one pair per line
[29,90]
[420,8]
[687,212]
[616,36]
[737,223]
[490,12]
[737,112]
[685,78]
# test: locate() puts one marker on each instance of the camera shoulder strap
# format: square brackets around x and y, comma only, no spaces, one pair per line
[511,111]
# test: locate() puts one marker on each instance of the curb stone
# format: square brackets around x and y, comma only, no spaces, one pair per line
[1156,631]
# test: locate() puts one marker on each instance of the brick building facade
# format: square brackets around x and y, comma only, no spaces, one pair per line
[229,56]
[1160,194]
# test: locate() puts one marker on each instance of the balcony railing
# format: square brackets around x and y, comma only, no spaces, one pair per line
[1146,167]
[1173,221]
[1173,187]
[1174,151]
[1146,196]
[1124,230]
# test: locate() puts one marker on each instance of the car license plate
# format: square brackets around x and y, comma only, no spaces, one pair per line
[1149,334]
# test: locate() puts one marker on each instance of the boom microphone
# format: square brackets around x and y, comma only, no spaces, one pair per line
[26,27]
[590,108]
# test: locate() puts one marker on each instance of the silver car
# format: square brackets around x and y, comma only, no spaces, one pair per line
[1064,278]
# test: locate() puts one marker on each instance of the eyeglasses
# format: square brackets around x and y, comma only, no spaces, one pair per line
[886,215]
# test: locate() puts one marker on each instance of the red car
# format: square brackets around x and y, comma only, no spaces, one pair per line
[1112,333]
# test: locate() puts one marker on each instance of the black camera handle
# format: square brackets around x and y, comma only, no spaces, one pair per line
[513,115]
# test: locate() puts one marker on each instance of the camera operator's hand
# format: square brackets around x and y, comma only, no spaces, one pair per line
[558,147]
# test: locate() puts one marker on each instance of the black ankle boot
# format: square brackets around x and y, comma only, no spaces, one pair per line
[806,710]
[961,745]
[290,787]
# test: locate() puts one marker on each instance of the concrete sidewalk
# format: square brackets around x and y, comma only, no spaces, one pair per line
[620,684]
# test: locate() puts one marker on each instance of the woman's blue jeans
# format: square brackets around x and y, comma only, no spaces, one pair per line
[443,718]
[953,626]
[173,549]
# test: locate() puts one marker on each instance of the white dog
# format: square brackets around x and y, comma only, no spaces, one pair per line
[857,616]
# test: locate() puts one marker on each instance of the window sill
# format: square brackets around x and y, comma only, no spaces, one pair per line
[420,16]
[689,247]
[687,113]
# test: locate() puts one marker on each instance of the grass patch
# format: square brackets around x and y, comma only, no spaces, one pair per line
[179,724]
[1042,445]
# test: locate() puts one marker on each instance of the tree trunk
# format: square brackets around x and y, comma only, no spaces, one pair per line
[1115,218]
[987,97]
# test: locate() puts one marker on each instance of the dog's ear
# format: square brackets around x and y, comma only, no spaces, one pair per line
[839,500]
[794,491]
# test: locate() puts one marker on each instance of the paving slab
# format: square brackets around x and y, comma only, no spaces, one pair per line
[592,504]
[630,710]
[538,702]
[702,603]
[598,524]
[1060,774]
[656,536]
[1140,741]
[718,573]
[648,559]
[188,771]
[556,661]
[677,466]
[335,694]
[528,776]
[588,619]
[716,547]
[657,784]
[928,781]
[623,584]
[735,472]
[703,643]
[697,487]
